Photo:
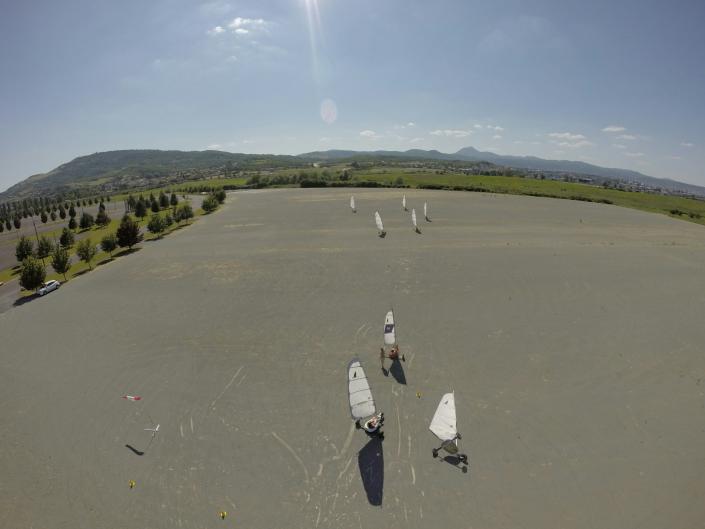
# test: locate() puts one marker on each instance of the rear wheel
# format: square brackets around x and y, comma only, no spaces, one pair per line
[435,453]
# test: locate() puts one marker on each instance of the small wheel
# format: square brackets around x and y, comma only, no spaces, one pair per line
[435,453]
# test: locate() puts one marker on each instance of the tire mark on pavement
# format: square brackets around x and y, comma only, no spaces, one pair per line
[226,387]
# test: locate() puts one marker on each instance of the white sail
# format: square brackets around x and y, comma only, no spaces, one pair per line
[403,202]
[378,221]
[352,203]
[443,422]
[390,331]
[362,405]
[413,217]
[425,210]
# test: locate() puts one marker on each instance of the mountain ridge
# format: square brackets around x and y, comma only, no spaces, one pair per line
[532,163]
[118,170]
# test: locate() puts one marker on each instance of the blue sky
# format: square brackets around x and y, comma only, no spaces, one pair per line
[619,84]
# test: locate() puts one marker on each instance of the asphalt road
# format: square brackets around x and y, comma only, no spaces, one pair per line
[572,335]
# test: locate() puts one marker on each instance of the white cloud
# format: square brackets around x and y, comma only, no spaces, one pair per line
[569,140]
[451,133]
[239,22]
[216,30]
[214,147]
[566,136]
[574,145]
[477,126]
[324,139]
[415,140]
[242,31]
[674,157]
[407,126]
[496,137]
[247,142]
[619,146]
[634,154]
[368,134]
[686,144]
[495,127]
[614,128]
[628,137]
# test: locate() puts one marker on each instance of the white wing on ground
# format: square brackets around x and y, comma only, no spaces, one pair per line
[378,221]
[362,405]
[352,203]
[390,331]
[403,201]
[413,217]
[425,209]
[443,422]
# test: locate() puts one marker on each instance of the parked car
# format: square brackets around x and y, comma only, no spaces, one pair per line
[49,286]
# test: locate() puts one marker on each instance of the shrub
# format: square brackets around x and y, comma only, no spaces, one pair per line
[102,218]
[32,274]
[23,249]
[67,238]
[87,221]
[140,209]
[44,248]
[109,243]
[72,223]
[86,251]
[156,225]
[184,212]
[61,261]
[128,233]
[209,204]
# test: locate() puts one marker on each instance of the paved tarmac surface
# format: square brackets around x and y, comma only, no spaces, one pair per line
[572,334]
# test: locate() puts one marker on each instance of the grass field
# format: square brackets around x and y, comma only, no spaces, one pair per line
[690,209]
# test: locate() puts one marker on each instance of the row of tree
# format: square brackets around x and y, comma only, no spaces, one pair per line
[43,206]
[127,235]
[141,205]
[87,220]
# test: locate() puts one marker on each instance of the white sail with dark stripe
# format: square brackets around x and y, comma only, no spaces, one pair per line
[390,331]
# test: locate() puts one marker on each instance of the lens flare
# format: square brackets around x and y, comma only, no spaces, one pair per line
[313,17]
[329,111]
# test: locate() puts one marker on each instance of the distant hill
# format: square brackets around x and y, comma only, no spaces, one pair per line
[113,171]
[116,170]
[531,163]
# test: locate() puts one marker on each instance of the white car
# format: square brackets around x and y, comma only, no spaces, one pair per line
[49,286]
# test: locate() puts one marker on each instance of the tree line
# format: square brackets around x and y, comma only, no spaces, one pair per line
[128,234]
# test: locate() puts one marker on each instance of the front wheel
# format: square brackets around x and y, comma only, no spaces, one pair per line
[435,453]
